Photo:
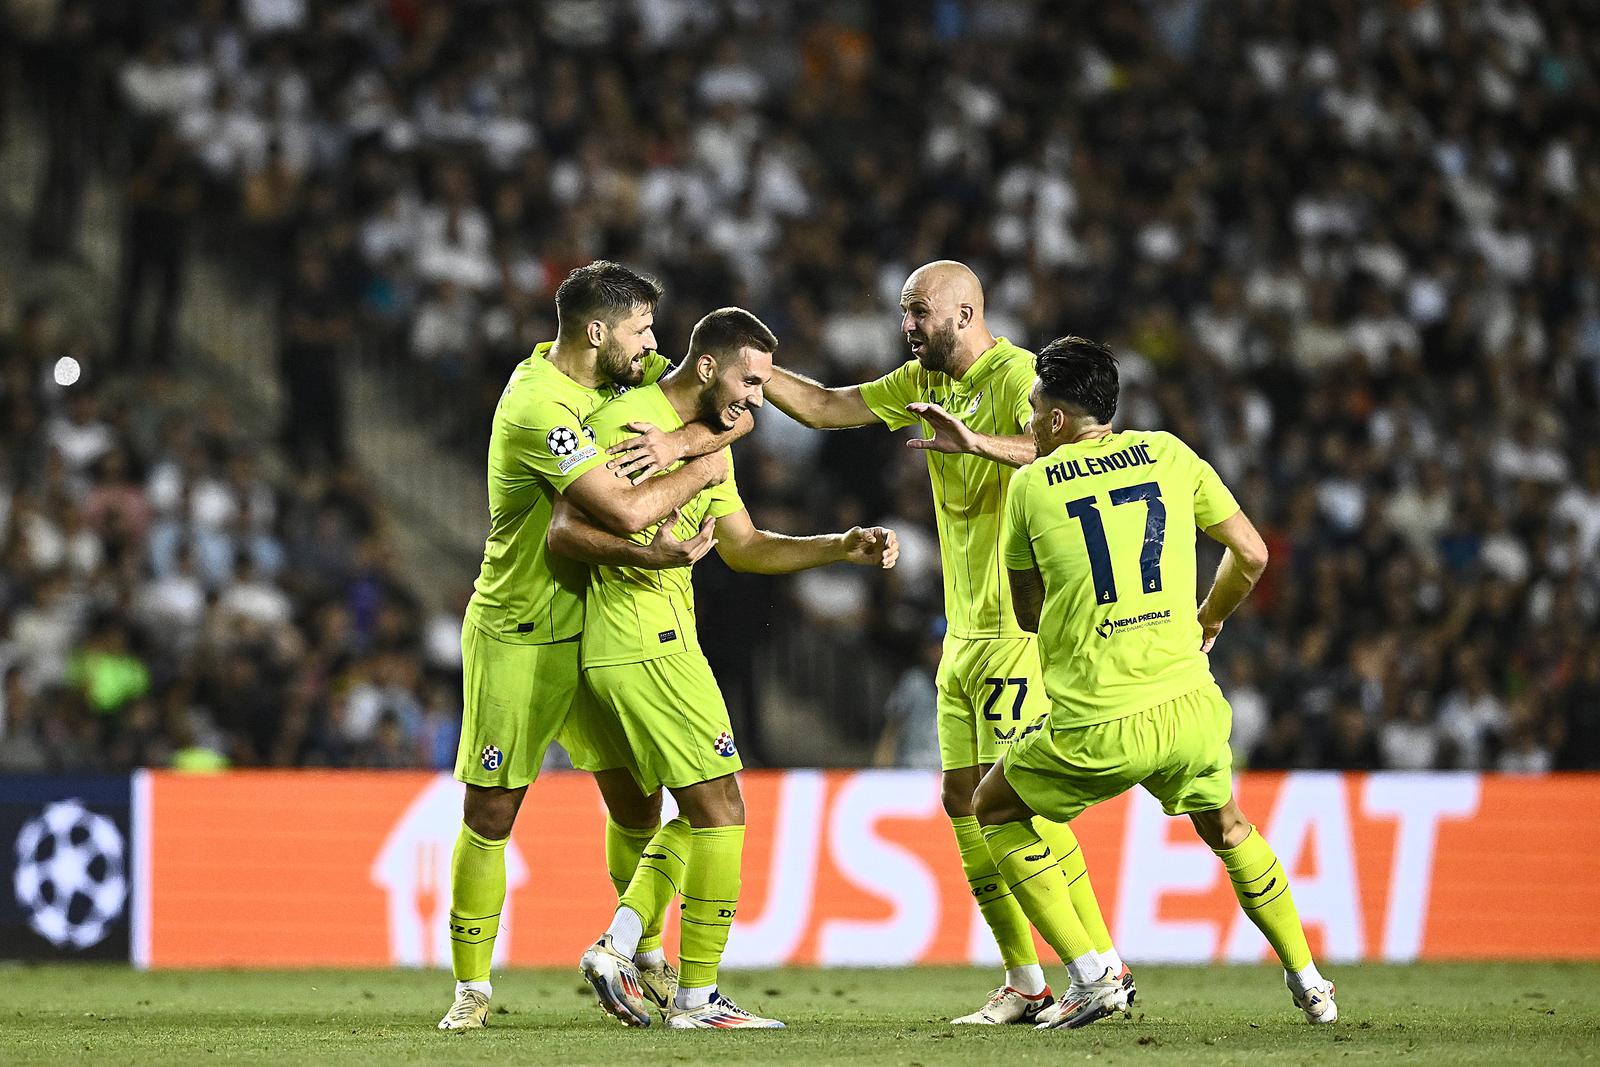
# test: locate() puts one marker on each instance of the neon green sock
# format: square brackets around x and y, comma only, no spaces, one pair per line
[1034,872]
[624,846]
[1064,844]
[657,879]
[995,901]
[1262,886]
[477,896]
[710,899]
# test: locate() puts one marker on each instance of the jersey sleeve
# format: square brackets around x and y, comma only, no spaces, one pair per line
[554,445]
[1015,387]
[888,396]
[725,499]
[655,365]
[1016,543]
[1212,500]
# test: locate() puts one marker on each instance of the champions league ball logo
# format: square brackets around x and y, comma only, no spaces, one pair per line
[562,441]
[71,874]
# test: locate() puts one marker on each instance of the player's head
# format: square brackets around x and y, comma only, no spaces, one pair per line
[939,302]
[730,356]
[1076,391]
[607,307]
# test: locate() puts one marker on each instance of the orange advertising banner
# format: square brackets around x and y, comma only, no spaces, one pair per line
[306,868]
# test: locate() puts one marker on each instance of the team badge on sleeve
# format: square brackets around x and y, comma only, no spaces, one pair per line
[565,444]
[723,745]
[491,758]
[562,441]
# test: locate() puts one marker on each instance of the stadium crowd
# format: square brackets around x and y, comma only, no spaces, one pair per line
[1349,251]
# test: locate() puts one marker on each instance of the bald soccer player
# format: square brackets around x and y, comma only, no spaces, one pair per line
[969,391]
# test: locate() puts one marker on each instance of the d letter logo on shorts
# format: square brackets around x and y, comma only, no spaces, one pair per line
[491,758]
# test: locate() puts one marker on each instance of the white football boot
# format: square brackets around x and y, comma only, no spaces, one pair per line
[718,1013]
[469,1012]
[1317,1003]
[1083,1003]
[616,982]
[1006,1006]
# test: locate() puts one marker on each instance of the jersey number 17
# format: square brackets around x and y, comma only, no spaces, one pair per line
[1084,509]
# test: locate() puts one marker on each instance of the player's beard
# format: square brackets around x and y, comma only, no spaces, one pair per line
[939,347]
[713,408]
[618,367]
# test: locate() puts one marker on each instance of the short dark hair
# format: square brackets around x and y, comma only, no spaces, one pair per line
[725,331]
[1080,372]
[602,290]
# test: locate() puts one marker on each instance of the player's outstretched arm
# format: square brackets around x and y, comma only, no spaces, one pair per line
[1242,566]
[815,405]
[625,508]
[1027,597]
[655,449]
[950,434]
[577,536]
[745,548]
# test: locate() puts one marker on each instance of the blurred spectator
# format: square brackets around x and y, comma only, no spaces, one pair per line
[1348,260]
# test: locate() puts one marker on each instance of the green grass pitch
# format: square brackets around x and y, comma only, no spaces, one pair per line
[1435,1014]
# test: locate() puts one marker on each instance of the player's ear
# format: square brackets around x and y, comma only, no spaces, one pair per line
[596,333]
[706,367]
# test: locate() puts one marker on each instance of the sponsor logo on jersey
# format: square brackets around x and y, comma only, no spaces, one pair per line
[1004,735]
[723,745]
[491,758]
[667,635]
[1108,627]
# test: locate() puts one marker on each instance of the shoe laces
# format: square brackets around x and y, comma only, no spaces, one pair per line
[722,1003]
[998,997]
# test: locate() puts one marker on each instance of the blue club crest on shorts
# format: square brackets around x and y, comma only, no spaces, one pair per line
[491,758]
[723,745]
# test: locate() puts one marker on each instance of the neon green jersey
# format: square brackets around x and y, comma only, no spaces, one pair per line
[537,448]
[1110,524]
[969,492]
[634,614]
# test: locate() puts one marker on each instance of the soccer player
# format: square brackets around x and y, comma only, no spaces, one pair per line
[520,639]
[642,660]
[1100,547]
[971,389]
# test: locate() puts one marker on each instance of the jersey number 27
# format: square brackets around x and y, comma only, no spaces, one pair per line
[1094,538]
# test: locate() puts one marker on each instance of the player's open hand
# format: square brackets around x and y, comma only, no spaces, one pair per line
[1208,634]
[950,434]
[652,451]
[668,552]
[872,546]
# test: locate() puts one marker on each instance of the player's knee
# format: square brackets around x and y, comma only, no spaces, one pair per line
[1223,828]
[957,799]
[636,812]
[994,802]
[489,812]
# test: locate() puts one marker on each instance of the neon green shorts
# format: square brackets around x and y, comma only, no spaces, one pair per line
[592,735]
[1177,750]
[989,691]
[515,701]
[673,715]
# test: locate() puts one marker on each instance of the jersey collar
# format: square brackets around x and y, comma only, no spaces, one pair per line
[982,361]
